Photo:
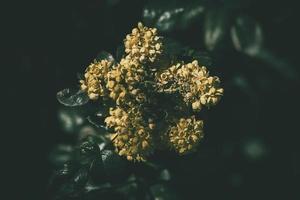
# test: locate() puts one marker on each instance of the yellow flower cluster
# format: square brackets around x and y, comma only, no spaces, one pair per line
[135,134]
[185,135]
[193,82]
[143,44]
[94,79]
[132,137]
[122,82]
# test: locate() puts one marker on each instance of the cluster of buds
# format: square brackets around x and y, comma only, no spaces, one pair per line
[135,135]
[123,81]
[185,135]
[143,44]
[192,82]
[95,78]
[132,137]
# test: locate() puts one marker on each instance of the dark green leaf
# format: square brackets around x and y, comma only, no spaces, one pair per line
[88,151]
[98,122]
[176,52]
[103,55]
[60,179]
[81,177]
[61,154]
[171,15]
[97,171]
[120,53]
[80,76]
[165,175]
[70,119]
[247,36]
[164,192]
[71,97]
[114,165]
[215,27]
[202,57]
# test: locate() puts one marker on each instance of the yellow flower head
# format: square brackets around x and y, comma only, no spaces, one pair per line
[132,137]
[167,80]
[193,82]
[122,82]
[133,71]
[94,79]
[185,135]
[143,44]
[131,85]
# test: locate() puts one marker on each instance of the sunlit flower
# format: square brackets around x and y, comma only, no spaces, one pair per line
[185,135]
[94,79]
[193,82]
[132,135]
[123,81]
[132,85]
[143,44]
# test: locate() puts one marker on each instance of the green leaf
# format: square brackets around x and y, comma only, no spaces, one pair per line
[115,166]
[163,191]
[88,151]
[61,154]
[247,36]
[70,119]
[215,27]
[172,15]
[71,97]
[103,55]
[98,122]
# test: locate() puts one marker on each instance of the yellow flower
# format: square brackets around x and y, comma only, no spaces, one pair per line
[123,80]
[193,82]
[185,135]
[132,135]
[131,85]
[94,79]
[133,71]
[143,44]
[167,80]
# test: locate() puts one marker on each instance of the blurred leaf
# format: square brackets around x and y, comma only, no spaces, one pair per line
[191,54]
[177,52]
[163,192]
[88,151]
[171,15]
[65,172]
[278,64]
[131,191]
[86,131]
[254,149]
[60,178]
[61,154]
[215,27]
[247,36]
[165,175]
[103,55]
[98,122]
[81,177]
[172,47]
[70,119]
[115,166]
[97,171]
[75,186]
[80,76]
[71,97]
[120,53]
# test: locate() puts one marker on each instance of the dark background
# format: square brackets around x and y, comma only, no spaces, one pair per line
[251,149]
